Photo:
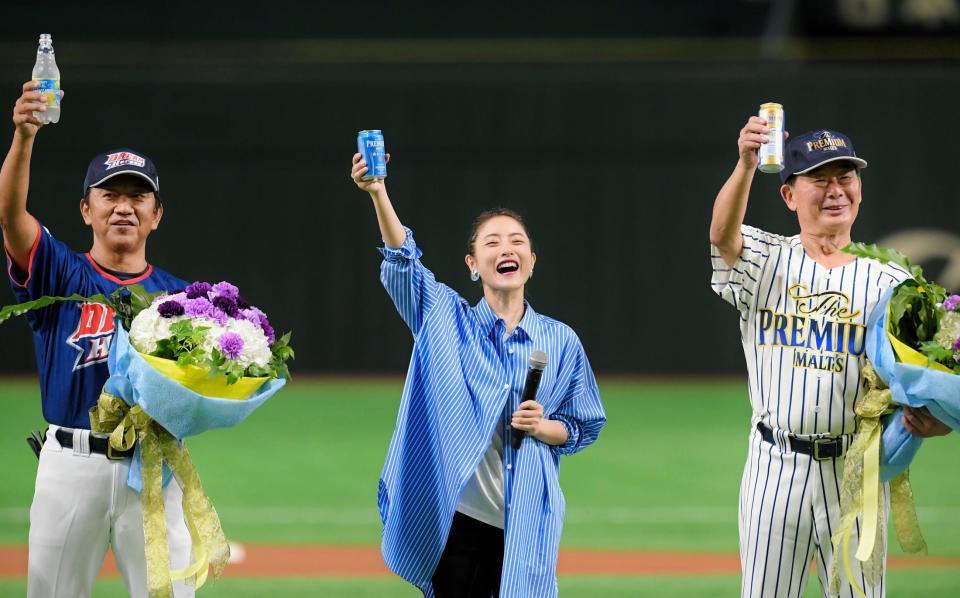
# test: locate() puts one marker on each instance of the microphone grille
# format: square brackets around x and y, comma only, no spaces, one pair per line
[538,360]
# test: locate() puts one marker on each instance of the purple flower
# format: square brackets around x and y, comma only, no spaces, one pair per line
[170,309]
[252,315]
[951,302]
[956,345]
[202,308]
[259,319]
[268,331]
[242,303]
[198,307]
[225,289]
[231,345]
[178,297]
[198,289]
[226,305]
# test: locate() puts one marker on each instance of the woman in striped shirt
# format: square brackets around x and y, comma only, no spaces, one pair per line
[463,513]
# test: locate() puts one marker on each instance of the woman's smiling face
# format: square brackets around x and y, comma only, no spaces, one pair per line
[502,254]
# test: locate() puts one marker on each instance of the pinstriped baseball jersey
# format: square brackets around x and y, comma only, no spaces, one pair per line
[802,327]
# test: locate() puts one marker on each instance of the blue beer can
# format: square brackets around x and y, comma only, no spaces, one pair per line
[371,147]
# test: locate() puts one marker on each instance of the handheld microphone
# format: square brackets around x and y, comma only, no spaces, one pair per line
[538,362]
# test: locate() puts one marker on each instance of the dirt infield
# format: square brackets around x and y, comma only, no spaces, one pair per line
[341,561]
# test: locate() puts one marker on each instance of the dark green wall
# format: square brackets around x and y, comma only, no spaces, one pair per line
[615,165]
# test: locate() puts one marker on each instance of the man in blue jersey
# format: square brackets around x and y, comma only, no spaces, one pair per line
[81,503]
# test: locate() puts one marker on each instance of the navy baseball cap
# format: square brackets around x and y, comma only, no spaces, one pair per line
[814,149]
[120,161]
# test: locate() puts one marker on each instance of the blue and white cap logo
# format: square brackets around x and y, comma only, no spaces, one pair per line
[124,159]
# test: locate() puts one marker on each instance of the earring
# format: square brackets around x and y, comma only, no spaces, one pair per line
[474,275]
[531,274]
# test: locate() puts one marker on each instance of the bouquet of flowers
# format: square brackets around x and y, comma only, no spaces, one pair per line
[182,362]
[211,327]
[913,353]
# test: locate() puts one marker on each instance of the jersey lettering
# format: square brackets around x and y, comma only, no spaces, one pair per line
[93,335]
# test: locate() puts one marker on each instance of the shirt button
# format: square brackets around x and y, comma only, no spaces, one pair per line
[506,387]
[816,409]
[509,465]
[510,350]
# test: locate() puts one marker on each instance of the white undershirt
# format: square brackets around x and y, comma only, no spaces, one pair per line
[482,499]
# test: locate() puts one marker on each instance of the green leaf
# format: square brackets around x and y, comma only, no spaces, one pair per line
[181,328]
[140,298]
[934,351]
[19,309]
[186,359]
[257,372]
[217,358]
[166,348]
[281,349]
[885,255]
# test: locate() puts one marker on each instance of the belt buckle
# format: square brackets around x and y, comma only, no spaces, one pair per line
[111,456]
[817,443]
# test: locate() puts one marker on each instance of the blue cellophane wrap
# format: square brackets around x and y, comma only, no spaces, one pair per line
[911,385]
[179,410]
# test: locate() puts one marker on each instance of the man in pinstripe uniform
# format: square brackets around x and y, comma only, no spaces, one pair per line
[803,305]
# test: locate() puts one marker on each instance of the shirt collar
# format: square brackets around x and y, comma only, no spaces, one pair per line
[528,324]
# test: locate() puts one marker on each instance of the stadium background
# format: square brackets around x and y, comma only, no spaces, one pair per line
[609,125]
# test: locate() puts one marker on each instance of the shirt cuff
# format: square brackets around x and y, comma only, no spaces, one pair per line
[573,435]
[406,252]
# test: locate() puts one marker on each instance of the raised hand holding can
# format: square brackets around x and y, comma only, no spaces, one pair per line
[771,153]
[371,147]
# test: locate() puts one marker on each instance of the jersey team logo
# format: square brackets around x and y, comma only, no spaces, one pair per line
[93,335]
[822,332]
[123,159]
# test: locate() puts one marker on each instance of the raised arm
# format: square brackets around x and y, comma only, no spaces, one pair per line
[409,283]
[391,230]
[18,226]
[731,203]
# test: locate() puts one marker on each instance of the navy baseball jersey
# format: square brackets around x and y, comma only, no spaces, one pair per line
[72,341]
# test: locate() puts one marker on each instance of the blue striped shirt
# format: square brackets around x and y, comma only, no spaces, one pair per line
[465,374]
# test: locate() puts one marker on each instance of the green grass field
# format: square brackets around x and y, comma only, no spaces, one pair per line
[664,475]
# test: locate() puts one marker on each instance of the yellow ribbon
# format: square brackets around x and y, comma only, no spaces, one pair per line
[127,425]
[860,495]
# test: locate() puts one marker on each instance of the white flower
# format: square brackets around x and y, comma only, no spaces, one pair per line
[949,330]
[148,328]
[256,349]
[212,338]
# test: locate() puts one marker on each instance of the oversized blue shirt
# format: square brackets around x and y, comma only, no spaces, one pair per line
[464,374]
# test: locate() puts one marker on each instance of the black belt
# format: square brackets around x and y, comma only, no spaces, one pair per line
[820,449]
[100,446]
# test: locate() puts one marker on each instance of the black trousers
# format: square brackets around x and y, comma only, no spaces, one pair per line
[472,560]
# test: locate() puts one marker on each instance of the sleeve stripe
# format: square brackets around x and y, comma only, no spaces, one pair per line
[30,259]
[745,273]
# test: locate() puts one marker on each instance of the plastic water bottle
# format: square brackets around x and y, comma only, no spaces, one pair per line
[45,71]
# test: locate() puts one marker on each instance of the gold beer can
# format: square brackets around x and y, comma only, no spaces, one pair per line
[771,153]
